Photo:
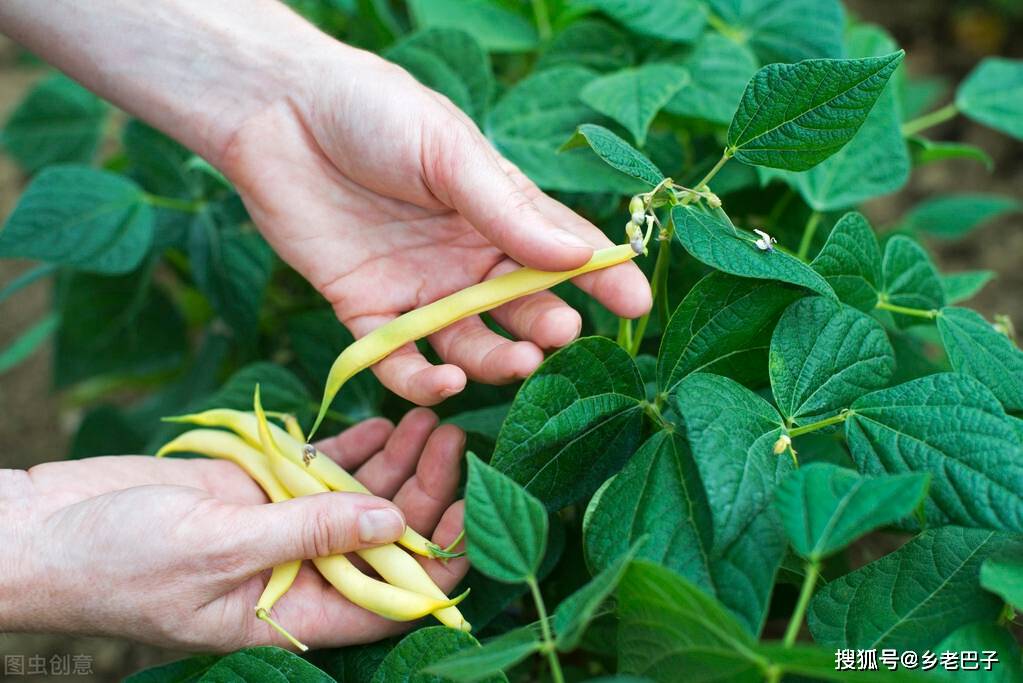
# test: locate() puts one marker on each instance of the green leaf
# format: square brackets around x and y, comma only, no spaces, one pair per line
[616,153]
[992,93]
[483,421]
[28,342]
[953,216]
[910,278]
[912,598]
[530,123]
[1003,576]
[964,286]
[121,325]
[976,349]
[280,390]
[777,30]
[316,338]
[712,239]
[924,151]
[876,161]
[680,21]
[25,279]
[80,217]
[825,507]
[951,426]
[589,43]
[59,121]
[576,611]
[851,262]
[495,656]
[158,163]
[505,525]
[107,430]
[824,355]
[718,72]
[634,95]
[803,662]
[181,671]
[494,27]
[574,422]
[667,625]
[264,664]
[983,638]
[732,432]
[450,62]
[793,116]
[723,326]
[421,648]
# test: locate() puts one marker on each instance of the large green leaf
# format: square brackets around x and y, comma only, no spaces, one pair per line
[954,215]
[574,422]
[876,160]
[667,626]
[506,526]
[912,598]
[530,123]
[591,43]
[732,432]
[495,656]
[793,116]
[983,639]
[1003,576]
[80,217]
[59,121]
[616,153]
[975,348]
[965,285]
[951,426]
[723,326]
[824,355]
[712,239]
[416,651]
[992,94]
[910,278]
[851,262]
[158,163]
[719,70]
[634,95]
[825,507]
[924,151]
[264,664]
[180,671]
[675,20]
[777,30]
[451,62]
[495,28]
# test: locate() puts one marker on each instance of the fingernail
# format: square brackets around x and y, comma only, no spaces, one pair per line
[380,526]
[570,240]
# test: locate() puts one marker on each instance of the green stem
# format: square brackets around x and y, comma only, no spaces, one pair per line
[796,622]
[711,173]
[545,628]
[808,233]
[543,21]
[905,310]
[927,120]
[174,204]
[625,334]
[814,426]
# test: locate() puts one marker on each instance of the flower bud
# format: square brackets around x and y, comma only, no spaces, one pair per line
[637,205]
[631,230]
[639,218]
[782,444]
[713,201]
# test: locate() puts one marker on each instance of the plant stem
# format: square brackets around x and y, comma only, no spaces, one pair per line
[625,334]
[927,120]
[808,232]
[186,205]
[905,310]
[545,628]
[814,426]
[711,173]
[543,21]
[796,622]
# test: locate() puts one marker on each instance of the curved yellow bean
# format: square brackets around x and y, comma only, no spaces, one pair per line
[435,316]
[226,446]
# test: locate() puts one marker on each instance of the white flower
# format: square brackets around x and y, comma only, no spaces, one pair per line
[766,242]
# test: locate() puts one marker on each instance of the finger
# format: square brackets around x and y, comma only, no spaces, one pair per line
[384,473]
[352,447]
[542,318]
[447,574]
[484,355]
[465,172]
[425,496]
[324,524]
[407,373]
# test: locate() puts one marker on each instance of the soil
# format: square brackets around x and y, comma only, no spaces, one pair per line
[35,425]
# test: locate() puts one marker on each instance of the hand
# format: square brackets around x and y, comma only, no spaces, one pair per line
[176,552]
[386,197]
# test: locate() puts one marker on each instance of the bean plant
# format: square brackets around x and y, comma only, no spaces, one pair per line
[666,499]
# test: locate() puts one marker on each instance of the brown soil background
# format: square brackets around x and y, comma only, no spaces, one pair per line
[941,38]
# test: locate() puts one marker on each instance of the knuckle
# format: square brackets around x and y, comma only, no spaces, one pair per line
[323,534]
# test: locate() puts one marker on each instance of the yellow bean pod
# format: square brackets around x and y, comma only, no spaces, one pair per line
[435,316]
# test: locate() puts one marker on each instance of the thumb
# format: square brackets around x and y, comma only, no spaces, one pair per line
[317,526]
[496,199]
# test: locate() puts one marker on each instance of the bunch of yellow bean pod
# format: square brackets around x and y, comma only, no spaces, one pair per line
[277,460]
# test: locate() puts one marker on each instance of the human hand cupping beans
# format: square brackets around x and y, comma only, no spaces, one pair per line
[189,543]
